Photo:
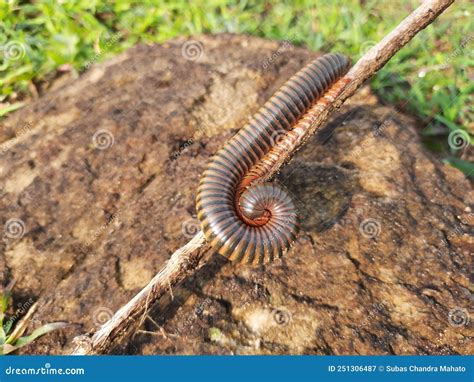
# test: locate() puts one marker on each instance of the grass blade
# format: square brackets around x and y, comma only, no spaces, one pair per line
[40,332]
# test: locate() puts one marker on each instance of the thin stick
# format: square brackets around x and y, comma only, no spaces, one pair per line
[182,263]
[186,260]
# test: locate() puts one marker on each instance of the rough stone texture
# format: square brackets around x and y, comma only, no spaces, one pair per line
[384,255]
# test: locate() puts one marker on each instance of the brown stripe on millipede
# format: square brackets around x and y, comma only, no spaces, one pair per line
[244,220]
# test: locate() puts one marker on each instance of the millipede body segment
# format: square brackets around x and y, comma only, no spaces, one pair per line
[246,220]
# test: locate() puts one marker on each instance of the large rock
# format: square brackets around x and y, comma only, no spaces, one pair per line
[103,171]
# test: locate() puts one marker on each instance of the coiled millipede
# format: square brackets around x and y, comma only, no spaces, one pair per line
[246,220]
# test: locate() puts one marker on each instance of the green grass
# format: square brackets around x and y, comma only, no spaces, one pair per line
[14,325]
[431,77]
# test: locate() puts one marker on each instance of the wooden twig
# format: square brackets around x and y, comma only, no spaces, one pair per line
[186,260]
[181,264]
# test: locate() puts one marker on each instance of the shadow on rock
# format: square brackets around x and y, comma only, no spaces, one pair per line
[322,193]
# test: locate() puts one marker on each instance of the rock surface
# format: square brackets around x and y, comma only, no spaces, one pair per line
[101,176]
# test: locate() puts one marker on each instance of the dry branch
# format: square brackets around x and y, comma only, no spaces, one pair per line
[186,260]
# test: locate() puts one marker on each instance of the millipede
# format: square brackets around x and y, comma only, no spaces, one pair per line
[243,218]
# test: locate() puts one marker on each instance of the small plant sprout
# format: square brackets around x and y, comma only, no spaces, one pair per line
[12,329]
